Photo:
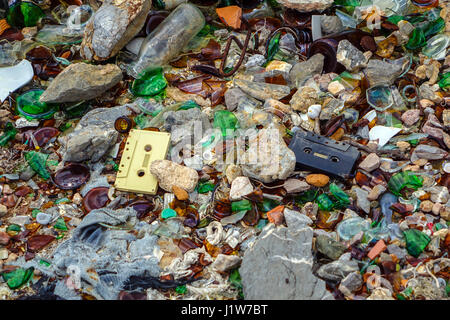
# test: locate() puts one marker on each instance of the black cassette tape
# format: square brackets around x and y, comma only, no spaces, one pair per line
[318,153]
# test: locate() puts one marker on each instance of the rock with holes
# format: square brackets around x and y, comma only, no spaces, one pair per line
[170,174]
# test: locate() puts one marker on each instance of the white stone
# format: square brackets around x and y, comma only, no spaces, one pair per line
[241,186]
[314,111]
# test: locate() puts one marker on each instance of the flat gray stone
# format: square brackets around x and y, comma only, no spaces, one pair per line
[302,71]
[278,266]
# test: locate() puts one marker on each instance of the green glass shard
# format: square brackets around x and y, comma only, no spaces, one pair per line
[324,202]
[273,47]
[416,241]
[60,224]
[444,83]
[181,289]
[37,162]
[226,121]
[150,83]
[433,27]
[29,106]
[189,105]
[24,14]
[205,187]
[404,179]
[13,227]
[8,134]
[17,278]
[417,40]
[241,205]
[342,199]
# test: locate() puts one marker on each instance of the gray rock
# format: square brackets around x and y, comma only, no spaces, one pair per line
[302,71]
[350,57]
[295,185]
[337,270]
[263,91]
[19,220]
[232,97]
[295,219]
[400,253]
[185,118]
[113,25]
[27,174]
[331,24]
[427,92]
[329,247]
[272,161]
[93,135]
[255,60]
[381,72]
[81,81]
[423,151]
[361,199]
[278,266]
[352,282]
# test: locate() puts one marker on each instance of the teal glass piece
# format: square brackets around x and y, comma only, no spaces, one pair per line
[17,278]
[342,199]
[324,202]
[189,105]
[37,162]
[416,241]
[8,134]
[149,83]
[444,83]
[262,223]
[404,179]
[417,40]
[350,227]
[268,204]
[29,106]
[168,213]
[380,97]
[13,227]
[434,27]
[241,205]
[24,14]
[226,121]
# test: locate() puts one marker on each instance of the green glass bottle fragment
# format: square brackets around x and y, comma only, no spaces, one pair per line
[307,196]
[341,197]
[189,105]
[324,202]
[444,83]
[8,134]
[181,289]
[13,227]
[150,83]
[17,278]
[226,121]
[395,19]
[433,27]
[205,187]
[417,40]
[273,47]
[241,205]
[416,241]
[404,179]
[60,224]
[24,14]
[29,106]
[37,162]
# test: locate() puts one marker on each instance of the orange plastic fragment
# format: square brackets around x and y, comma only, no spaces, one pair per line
[230,15]
[5,26]
[379,247]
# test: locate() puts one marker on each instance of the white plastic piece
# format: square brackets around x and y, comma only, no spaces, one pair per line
[383,134]
[13,78]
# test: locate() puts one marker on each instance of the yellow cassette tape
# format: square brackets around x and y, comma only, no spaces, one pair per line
[142,147]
